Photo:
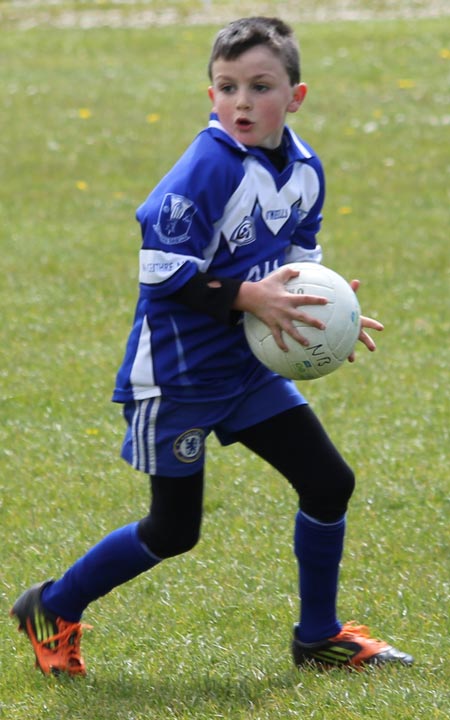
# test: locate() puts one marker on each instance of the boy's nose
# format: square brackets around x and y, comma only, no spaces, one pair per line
[243,100]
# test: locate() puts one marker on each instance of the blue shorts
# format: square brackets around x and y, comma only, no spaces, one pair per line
[166,437]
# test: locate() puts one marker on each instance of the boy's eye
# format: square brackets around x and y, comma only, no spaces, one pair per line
[261,87]
[228,88]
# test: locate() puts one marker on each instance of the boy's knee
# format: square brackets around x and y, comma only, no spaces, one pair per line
[167,541]
[346,485]
[329,501]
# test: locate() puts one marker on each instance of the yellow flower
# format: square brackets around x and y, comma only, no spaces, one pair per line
[406,84]
[91,431]
[81,185]
[84,113]
[445,53]
[153,117]
[345,210]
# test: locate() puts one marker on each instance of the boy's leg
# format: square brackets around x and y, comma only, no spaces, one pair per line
[116,559]
[295,443]
[171,528]
[50,613]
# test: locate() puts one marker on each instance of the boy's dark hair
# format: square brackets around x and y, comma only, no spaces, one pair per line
[244,34]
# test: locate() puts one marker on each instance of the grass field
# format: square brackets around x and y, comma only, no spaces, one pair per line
[90,120]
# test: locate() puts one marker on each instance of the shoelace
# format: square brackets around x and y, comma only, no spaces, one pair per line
[355,629]
[67,640]
[352,628]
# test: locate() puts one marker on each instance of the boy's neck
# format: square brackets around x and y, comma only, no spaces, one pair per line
[277,156]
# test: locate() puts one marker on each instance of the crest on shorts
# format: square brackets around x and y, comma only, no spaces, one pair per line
[188,447]
[175,218]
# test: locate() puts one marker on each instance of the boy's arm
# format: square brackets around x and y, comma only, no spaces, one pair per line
[211,295]
[226,299]
[304,247]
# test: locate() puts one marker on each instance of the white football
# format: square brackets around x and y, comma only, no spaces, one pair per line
[329,348]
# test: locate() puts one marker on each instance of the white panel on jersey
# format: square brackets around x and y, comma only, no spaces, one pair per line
[157,266]
[296,253]
[142,377]
[258,186]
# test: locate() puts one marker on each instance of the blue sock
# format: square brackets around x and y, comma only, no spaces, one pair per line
[318,548]
[119,557]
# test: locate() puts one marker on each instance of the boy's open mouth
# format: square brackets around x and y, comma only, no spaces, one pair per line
[243,123]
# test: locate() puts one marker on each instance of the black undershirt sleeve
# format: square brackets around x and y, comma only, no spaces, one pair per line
[211,295]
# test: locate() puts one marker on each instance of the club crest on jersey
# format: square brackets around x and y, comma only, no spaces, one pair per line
[244,234]
[188,446]
[297,208]
[175,218]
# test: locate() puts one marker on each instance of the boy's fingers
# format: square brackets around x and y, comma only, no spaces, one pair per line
[371,323]
[311,300]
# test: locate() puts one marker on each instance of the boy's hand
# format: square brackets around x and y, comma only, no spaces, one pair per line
[366,322]
[269,300]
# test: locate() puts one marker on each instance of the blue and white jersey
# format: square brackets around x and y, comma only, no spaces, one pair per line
[223,209]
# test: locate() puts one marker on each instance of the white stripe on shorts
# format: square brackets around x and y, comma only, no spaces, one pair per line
[135,435]
[138,433]
[144,435]
[151,446]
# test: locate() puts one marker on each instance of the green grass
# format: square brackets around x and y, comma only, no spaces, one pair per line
[207,635]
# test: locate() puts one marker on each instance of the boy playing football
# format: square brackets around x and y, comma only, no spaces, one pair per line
[244,199]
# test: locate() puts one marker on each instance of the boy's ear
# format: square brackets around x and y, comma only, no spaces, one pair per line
[211,97]
[299,95]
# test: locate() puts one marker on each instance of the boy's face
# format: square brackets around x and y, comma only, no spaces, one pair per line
[252,95]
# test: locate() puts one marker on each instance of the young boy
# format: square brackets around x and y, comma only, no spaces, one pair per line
[244,199]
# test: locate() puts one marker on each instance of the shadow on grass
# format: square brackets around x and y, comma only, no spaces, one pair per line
[197,696]
[231,694]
